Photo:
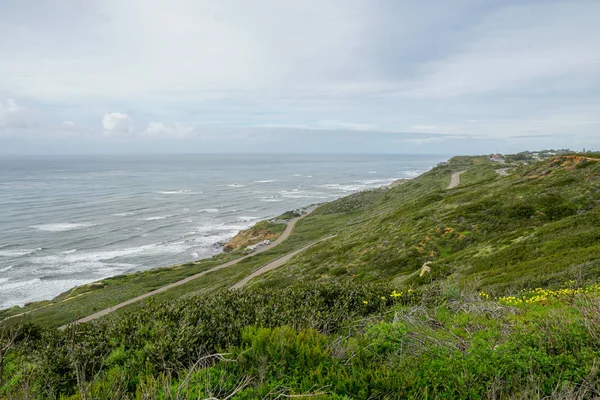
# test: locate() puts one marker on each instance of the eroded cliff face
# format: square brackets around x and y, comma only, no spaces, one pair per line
[261,231]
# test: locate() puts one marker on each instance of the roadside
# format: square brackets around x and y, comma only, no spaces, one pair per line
[275,264]
[455,179]
[286,233]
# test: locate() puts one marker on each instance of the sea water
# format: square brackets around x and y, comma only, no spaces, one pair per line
[67,221]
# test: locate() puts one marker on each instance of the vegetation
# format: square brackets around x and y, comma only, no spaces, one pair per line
[260,231]
[330,340]
[508,306]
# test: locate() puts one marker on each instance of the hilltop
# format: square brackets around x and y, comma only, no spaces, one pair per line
[488,289]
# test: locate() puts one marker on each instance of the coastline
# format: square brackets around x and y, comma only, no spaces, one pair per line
[81,290]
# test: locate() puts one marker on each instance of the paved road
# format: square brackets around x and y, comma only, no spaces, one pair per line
[281,238]
[275,264]
[455,179]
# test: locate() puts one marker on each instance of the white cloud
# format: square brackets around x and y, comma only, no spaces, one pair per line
[392,66]
[14,116]
[161,130]
[517,48]
[117,124]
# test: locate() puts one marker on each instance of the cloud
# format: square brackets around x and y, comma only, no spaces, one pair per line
[117,124]
[14,116]
[470,67]
[161,130]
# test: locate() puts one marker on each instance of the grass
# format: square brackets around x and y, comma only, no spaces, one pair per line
[537,226]
[86,300]
[509,309]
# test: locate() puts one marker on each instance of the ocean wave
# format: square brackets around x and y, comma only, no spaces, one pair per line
[266,181]
[412,174]
[270,199]
[7,268]
[124,214]
[20,293]
[246,219]
[372,172]
[18,252]
[19,284]
[61,226]
[236,185]
[378,181]
[209,210]
[3,280]
[69,251]
[156,218]
[185,191]
[107,255]
[344,188]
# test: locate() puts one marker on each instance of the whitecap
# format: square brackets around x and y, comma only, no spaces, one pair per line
[266,181]
[7,268]
[209,210]
[271,200]
[344,188]
[156,218]
[2,280]
[412,174]
[61,227]
[379,181]
[17,252]
[15,285]
[83,259]
[124,214]
[69,251]
[246,219]
[185,191]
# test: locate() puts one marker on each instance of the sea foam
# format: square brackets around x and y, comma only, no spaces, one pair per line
[61,226]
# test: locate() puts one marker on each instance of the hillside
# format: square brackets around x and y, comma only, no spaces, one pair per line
[264,230]
[508,306]
[538,226]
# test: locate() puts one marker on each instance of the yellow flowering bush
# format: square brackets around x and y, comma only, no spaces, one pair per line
[543,296]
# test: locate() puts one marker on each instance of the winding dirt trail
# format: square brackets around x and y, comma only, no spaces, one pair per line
[284,235]
[455,179]
[275,264]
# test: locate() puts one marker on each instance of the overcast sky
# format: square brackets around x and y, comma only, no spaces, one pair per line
[472,76]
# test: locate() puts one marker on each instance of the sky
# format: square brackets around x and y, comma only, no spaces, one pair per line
[315,76]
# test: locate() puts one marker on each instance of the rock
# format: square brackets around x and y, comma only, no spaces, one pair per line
[425,269]
[251,236]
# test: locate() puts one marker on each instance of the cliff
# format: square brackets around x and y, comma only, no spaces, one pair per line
[264,230]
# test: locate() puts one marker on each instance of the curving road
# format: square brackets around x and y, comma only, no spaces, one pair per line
[455,179]
[275,264]
[284,235]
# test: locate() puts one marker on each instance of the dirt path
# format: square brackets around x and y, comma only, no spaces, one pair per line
[503,171]
[284,235]
[455,179]
[275,264]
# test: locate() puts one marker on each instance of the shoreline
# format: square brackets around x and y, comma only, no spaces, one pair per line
[65,294]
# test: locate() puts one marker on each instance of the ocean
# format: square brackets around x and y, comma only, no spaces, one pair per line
[71,220]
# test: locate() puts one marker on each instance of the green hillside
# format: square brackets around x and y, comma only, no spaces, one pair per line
[538,226]
[507,305]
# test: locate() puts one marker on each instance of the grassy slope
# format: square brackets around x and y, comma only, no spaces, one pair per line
[400,336]
[537,226]
[85,300]
[534,227]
